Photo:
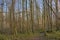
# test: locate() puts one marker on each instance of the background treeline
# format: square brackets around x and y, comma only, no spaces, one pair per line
[28,16]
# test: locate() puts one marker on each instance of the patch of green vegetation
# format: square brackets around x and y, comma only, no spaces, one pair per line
[19,36]
[55,34]
[28,35]
[3,37]
[23,36]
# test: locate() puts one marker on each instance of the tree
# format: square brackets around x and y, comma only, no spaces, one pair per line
[37,8]
[1,14]
[32,14]
[56,2]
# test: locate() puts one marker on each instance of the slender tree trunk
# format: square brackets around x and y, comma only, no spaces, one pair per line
[56,2]
[1,15]
[38,14]
[43,16]
[32,14]
[27,17]
[12,24]
[23,16]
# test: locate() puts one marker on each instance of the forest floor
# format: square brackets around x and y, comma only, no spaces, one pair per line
[33,36]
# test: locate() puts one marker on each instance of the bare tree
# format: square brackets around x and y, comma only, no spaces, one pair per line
[56,2]
[1,14]
[32,14]
[38,14]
